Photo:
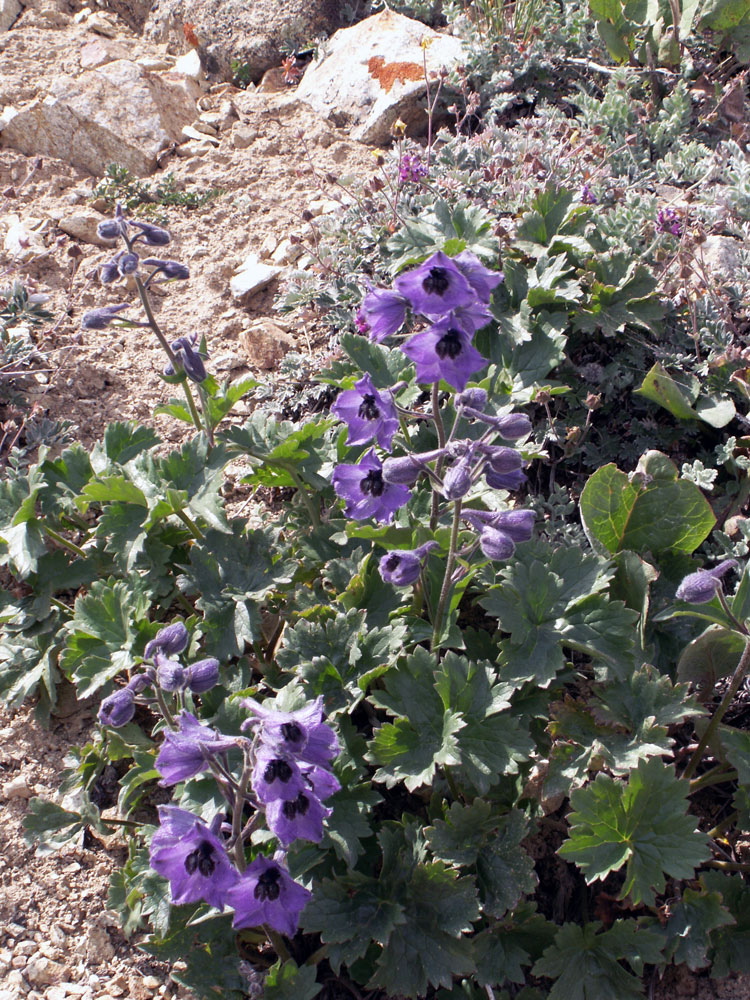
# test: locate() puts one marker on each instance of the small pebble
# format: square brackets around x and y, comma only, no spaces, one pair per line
[151,982]
[18,788]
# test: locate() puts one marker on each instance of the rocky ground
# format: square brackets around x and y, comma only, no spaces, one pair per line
[268,154]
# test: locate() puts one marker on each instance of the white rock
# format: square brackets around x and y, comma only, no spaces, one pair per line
[42,971]
[372,74]
[268,246]
[286,252]
[116,113]
[190,65]
[251,277]
[206,127]
[156,63]
[102,24]
[244,136]
[23,241]
[9,11]
[194,148]
[192,133]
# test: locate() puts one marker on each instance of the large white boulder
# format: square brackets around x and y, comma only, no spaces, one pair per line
[9,11]
[372,74]
[115,113]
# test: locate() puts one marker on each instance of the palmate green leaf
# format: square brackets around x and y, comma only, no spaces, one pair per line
[736,746]
[663,515]
[712,655]
[384,367]
[351,821]
[289,981]
[459,837]
[232,573]
[503,950]
[424,733]
[102,633]
[505,872]
[355,901]
[122,441]
[689,927]
[49,826]
[280,445]
[642,824]
[585,961]
[730,943]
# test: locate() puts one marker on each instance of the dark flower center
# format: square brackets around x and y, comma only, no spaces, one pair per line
[373,483]
[437,281]
[277,769]
[368,408]
[291,732]
[268,885]
[201,860]
[392,562]
[298,807]
[450,345]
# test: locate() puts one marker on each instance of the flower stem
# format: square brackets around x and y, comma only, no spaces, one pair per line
[277,943]
[737,678]
[61,540]
[190,524]
[440,429]
[450,562]
[716,776]
[163,707]
[239,805]
[205,407]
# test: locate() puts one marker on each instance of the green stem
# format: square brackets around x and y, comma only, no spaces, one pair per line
[721,828]
[277,943]
[146,303]
[239,804]
[737,678]
[729,866]
[740,626]
[61,540]
[59,604]
[163,707]
[450,563]
[716,776]
[311,510]
[205,407]
[189,523]
[440,429]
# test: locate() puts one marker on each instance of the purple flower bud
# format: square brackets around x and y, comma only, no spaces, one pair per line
[170,640]
[495,544]
[516,524]
[118,708]
[402,567]
[190,359]
[140,682]
[203,675]
[100,319]
[110,272]
[169,268]
[405,471]
[701,587]
[457,480]
[512,426]
[474,398]
[109,230]
[155,236]
[128,263]
[504,480]
[503,460]
[170,674]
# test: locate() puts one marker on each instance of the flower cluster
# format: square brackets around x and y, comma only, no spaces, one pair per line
[285,778]
[411,169]
[668,221]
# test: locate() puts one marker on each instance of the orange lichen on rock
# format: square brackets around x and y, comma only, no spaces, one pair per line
[388,73]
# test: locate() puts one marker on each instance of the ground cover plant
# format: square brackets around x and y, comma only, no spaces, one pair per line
[464,711]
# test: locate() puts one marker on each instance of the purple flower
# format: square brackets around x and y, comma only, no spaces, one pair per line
[512,480]
[110,272]
[301,734]
[512,426]
[384,312]
[368,414]
[472,317]
[189,359]
[266,894]
[192,858]
[496,544]
[402,567]
[170,674]
[701,587]
[155,236]
[516,524]
[169,268]
[435,287]
[361,323]
[276,777]
[128,263]
[322,781]
[444,351]
[457,481]
[481,278]
[411,168]
[406,470]
[118,708]
[587,196]
[140,682]
[185,753]
[365,491]
[111,229]
[100,319]
[202,675]
[475,399]
[170,640]
[668,221]
[297,819]
[503,468]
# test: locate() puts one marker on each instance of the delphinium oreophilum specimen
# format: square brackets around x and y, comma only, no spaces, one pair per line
[277,776]
[185,359]
[450,298]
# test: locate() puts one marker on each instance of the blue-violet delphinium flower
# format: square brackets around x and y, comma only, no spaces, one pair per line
[266,894]
[117,709]
[185,753]
[481,278]
[100,319]
[202,675]
[169,268]
[382,313]
[276,776]
[587,196]
[170,674]
[444,351]
[190,360]
[187,853]
[701,587]
[402,566]
[300,818]
[435,287]
[301,734]
[517,524]
[496,544]
[365,491]
[368,413]
[169,640]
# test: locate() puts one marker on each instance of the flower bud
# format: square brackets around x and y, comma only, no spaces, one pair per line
[701,587]
[504,480]
[189,358]
[512,426]
[169,268]
[155,236]
[118,708]
[109,230]
[475,398]
[402,567]
[516,524]
[100,319]
[128,263]
[203,675]
[110,272]
[169,640]
[495,544]
[140,682]
[503,460]
[457,480]
[402,471]
[170,674]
